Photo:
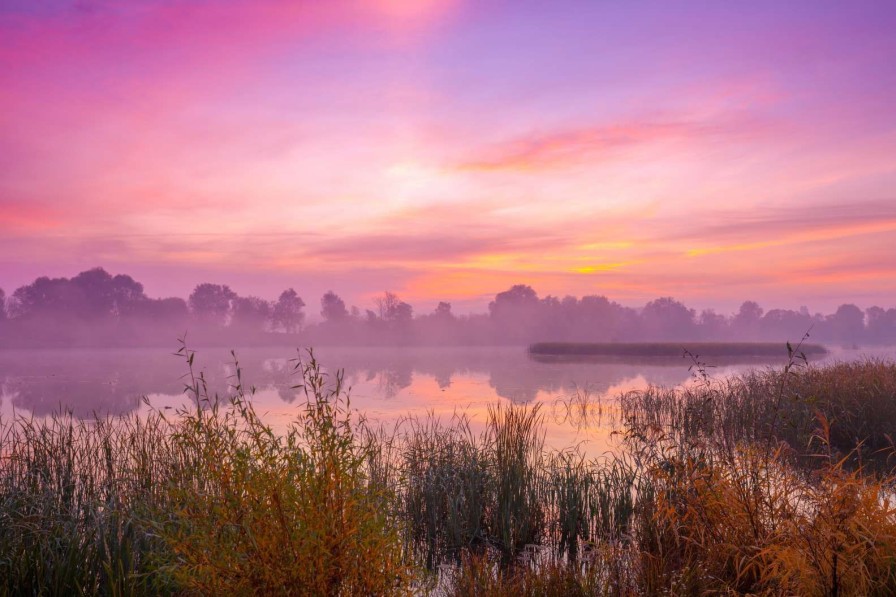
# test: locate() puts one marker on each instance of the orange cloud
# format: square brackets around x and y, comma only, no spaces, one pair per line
[547,150]
[823,233]
[18,218]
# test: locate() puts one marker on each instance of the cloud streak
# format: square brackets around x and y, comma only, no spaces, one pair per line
[455,148]
[606,142]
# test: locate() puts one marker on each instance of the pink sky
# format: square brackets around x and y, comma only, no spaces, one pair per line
[447,150]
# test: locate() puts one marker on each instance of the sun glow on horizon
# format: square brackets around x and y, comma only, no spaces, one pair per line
[445,148]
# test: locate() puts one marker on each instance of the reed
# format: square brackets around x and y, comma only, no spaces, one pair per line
[75,501]
[257,512]
[211,501]
[857,399]
[759,484]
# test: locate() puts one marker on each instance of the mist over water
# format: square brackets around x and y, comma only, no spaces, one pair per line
[95,344]
[98,310]
[387,384]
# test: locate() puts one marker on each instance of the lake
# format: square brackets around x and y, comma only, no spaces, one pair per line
[387,384]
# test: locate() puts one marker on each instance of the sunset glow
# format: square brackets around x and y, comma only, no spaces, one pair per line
[446,150]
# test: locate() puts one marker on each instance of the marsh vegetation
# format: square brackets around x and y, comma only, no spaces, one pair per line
[778,481]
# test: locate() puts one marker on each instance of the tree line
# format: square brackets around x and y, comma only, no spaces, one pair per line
[97,308]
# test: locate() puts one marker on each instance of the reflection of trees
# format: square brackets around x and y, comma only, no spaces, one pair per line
[522,382]
[510,372]
[45,382]
[391,381]
[443,379]
[43,396]
[113,382]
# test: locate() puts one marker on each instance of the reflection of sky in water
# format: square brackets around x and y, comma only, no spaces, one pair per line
[386,384]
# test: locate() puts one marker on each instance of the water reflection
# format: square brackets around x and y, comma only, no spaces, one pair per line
[385,380]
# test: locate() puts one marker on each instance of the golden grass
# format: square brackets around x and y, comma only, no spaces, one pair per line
[748,486]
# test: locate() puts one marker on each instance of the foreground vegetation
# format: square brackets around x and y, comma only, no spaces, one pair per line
[776,482]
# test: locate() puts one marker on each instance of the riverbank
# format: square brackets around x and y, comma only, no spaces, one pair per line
[702,350]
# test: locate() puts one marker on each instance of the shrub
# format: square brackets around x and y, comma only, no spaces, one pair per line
[257,512]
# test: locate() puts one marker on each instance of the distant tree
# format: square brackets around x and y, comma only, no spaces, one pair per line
[2,305]
[41,297]
[386,305]
[440,326]
[847,324]
[712,325]
[172,310]
[288,313]
[251,312]
[332,308]
[126,292]
[516,313]
[668,319]
[210,303]
[785,325]
[745,322]
[443,312]
[94,291]
[392,309]
[403,313]
[520,298]
[92,295]
[881,326]
[597,319]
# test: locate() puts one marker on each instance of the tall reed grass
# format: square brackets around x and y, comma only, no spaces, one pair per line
[856,400]
[211,501]
[774,482]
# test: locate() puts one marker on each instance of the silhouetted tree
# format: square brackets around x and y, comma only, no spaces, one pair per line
[881,326]
[667,319]
[288,313]
[440,326]
[173,311]
[251,312]
[519,298]
[332,308]
[96,308]
[515,313]
[386,305]
[745,322]
[91,295]
[712,325]
[785,325]
[126,292]
[393,310]
[598,319]
[94,291]
[43,297]
[443,312]
[210,303]
[847,324]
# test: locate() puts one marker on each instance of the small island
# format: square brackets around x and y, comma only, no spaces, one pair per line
[673,349]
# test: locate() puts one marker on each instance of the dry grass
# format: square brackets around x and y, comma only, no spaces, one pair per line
[211,502]
[760,484]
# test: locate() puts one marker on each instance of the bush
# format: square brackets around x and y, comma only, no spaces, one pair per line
[255,512]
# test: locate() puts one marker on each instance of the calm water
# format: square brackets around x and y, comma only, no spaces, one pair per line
[386,384]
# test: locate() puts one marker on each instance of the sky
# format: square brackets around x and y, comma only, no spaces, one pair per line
[446,150]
